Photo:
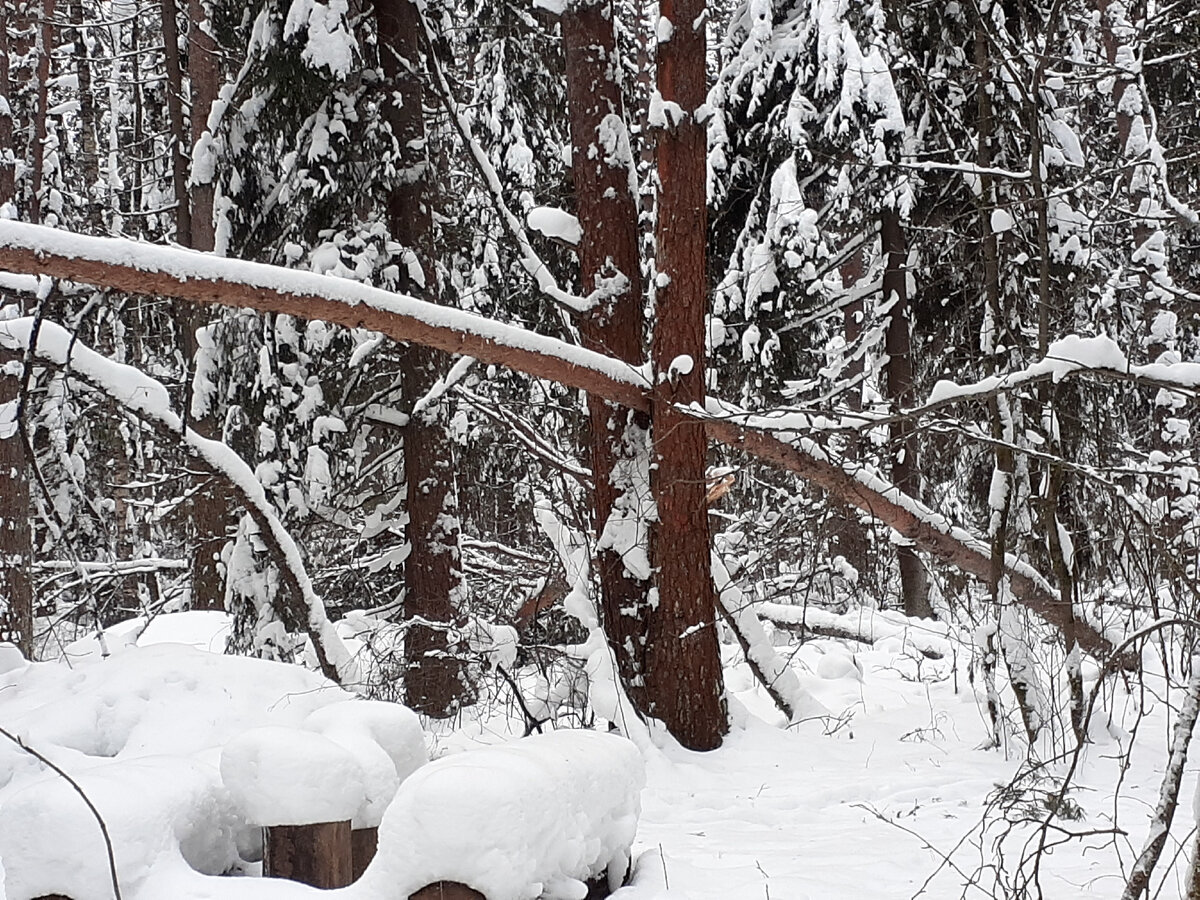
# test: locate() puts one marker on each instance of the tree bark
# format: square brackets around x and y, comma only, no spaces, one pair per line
[179,152]
[87,112]
[684,684]
[914,583]
[16,546]
[318,855]
[602,169]
[849,535]
[204,73]
[104,262]
[434,586]
[8,170]
[45,42]
[211,515]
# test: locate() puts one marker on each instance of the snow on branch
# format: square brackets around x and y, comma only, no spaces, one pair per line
[149,400]
[532,263]
[204,278]
[852,482]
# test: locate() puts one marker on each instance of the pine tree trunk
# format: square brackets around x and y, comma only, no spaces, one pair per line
[684,685]
[8,171]
[212,515]
[434,584]
[179,142]
[45,44]
[16,547]
[849,533]
[607,212]
[204,73]
[914,583]
[87,112]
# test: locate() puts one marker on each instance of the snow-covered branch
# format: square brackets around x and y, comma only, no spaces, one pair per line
[149,400]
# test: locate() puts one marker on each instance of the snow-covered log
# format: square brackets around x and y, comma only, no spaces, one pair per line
[165,271]
[865,626]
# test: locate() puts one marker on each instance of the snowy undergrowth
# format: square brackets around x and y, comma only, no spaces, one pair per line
[870,801]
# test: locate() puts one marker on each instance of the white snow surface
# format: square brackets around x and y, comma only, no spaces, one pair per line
[555,223]
[863,803]
[286,776]
[517,821]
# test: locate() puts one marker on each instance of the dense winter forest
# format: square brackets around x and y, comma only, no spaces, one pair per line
[802,390]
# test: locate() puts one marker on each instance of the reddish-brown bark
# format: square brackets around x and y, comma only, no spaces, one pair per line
[205,75]
[211,515]
[16,548]
[914,582]
[8,184]
[607,212]
[45,45]
[179,141]
[433,581]
[684,684]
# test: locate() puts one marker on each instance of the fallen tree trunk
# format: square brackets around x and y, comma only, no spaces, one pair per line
[169,272]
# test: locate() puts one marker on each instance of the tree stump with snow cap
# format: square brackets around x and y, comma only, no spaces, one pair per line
[552,813]
[302,789]
[389,744]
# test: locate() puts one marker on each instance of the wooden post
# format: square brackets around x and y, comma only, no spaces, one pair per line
[447,890]
[318,854]
[363,843]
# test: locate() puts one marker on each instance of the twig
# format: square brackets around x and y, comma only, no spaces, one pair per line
[112,862]
[532,722]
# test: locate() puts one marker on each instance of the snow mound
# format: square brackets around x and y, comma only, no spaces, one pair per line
[533,818]
[387,741]
[397,729]
[555,223]
[286,776]
[165,699]
[51,843]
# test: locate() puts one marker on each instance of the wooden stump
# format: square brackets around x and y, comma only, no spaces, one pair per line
[363,843]
[318,855]
[447,890]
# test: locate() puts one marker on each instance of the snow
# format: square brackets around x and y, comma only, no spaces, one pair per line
[554,223]
[531,818]
[1068,356]
[859,802]
[287,776]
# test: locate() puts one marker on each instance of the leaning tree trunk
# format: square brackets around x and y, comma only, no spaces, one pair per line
[602,168]
[434,584]
[914,583]
[684,684]
[174,273]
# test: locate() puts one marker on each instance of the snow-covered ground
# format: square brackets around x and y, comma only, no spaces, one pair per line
[890,796]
